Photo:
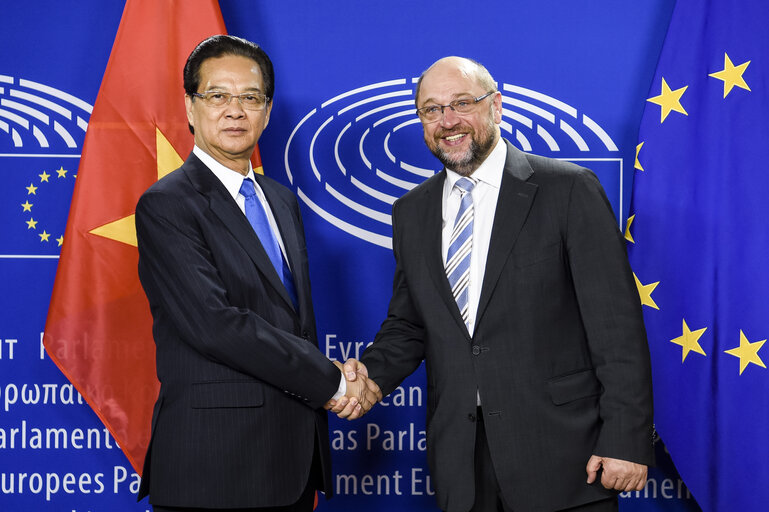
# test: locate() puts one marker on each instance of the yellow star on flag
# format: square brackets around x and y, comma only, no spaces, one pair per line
[61,172]
[31,223]
[44,177]
[27,206]
[731,75]
[44,236]
[689,341]
[747,352]
[638,162]
[628,236]
[645,292]
[60,240]
[31,189]
[669,100]
[124,229]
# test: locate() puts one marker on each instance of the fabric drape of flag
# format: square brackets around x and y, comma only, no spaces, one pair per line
[699,246]
[98,330]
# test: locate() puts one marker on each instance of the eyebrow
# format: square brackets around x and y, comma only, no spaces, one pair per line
[454,97]
[222,88]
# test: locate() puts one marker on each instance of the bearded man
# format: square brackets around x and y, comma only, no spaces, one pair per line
[513,285]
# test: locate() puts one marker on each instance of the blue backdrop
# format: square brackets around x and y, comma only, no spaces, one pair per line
[343,136]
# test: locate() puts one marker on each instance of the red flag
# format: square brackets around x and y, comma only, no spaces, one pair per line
[98,330]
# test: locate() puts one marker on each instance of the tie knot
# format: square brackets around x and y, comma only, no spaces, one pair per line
[466,184]
[247,188]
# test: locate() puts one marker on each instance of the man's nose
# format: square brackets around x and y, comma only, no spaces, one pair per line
[234,108]
[449,117]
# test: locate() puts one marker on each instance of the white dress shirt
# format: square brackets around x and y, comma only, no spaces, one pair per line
[485,195]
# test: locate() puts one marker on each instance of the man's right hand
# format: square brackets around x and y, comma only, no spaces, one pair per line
[362,392]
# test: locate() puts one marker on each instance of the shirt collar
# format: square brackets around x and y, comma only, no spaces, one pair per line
[490,170]
[232,180]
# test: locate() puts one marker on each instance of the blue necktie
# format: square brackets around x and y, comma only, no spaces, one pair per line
[258,218]
[460,249]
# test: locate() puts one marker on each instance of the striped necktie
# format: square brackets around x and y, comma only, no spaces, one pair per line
[460,249]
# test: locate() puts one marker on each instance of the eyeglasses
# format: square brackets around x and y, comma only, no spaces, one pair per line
[247,100]
[432,113]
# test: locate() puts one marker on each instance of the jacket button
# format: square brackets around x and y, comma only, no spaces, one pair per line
[471,417]
[476,350]
[306,335]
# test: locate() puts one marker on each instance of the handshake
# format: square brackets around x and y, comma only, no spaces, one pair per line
[362,393]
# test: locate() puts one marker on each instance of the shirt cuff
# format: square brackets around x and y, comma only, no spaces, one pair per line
[342,388]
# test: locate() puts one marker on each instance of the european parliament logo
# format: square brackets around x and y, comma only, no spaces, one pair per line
[41,135]
[352,156]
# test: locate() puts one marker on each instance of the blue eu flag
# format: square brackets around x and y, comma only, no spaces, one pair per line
[698,240]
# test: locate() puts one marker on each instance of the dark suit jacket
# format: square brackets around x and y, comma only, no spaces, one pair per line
[242,382]
[559,351]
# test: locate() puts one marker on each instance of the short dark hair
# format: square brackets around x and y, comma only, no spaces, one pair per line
[219,46]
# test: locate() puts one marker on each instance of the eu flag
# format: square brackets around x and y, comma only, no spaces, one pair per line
[698,240]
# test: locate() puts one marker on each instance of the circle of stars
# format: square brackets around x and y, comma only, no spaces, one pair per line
[27,206]
[669,100]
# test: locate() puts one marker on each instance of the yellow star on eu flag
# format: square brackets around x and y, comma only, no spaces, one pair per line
[61,172]
[645,292]
[731,75]
[628,236]
[60,240]
[747,352]
[31,189]
[27,206]
[637,164]
[31,223]
[44,236]
[689,341]
[44,177]
[669,100]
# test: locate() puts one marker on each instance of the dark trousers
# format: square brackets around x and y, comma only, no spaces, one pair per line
[305,503]
[488,497]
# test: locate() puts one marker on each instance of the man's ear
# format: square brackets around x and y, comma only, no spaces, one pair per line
[188,108]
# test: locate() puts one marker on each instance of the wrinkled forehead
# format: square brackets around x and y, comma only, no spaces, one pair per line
[445,82]
[226,70]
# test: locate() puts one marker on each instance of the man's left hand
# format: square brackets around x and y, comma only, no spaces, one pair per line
[621,475]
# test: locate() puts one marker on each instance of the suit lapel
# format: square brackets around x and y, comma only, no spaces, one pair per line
[516,196]
[224,207]
[288,227]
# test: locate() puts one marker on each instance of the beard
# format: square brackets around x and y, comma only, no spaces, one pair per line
[466,163]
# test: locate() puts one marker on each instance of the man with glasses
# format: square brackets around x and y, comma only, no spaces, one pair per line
[239,421]
[512,284]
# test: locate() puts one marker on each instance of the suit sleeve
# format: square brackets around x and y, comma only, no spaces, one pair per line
[180,275]
[398,348]
[611,313]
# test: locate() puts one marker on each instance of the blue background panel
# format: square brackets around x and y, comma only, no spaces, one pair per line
[597,58]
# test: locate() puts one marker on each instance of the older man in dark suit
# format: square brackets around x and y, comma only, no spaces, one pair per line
[513,285]
[239,421]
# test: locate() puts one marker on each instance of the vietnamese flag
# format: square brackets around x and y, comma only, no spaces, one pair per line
[99,327]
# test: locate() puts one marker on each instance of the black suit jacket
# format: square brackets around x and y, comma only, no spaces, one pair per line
[559,352]
[242,382]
